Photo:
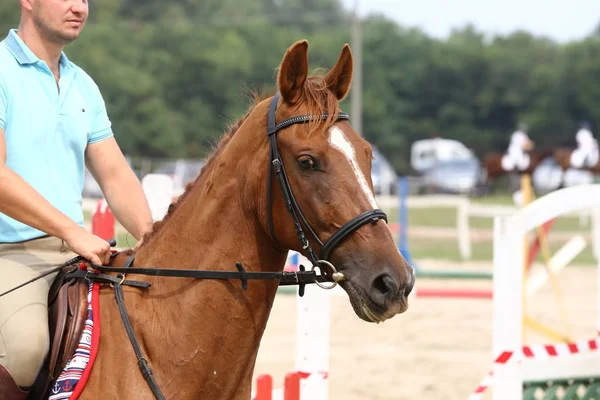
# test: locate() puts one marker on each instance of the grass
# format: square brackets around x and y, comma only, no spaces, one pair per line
[502,200]
[125,241]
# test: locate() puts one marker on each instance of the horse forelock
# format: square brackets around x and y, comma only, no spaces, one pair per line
[318,100]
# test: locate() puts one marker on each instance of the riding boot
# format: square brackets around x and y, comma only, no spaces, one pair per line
[8,388]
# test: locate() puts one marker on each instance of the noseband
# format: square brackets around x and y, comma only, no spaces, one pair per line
[276,164]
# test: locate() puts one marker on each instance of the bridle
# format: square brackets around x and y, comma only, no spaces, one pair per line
[276,165]
[300,278]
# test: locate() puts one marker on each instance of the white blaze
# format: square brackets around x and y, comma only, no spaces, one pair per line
[338,140]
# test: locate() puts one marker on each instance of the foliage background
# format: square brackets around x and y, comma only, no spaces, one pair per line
[175,73]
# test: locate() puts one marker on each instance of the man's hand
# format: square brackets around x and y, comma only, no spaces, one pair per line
[139,243]
[89,246]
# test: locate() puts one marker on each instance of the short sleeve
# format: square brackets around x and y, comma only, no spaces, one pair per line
[101,124]
[3,103]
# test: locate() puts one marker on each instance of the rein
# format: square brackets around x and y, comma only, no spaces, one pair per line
[300,278]
[285,278]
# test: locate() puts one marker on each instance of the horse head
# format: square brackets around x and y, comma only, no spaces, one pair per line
[328,167]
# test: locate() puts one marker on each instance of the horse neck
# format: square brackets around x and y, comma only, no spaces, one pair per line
[213,227]
[545,153]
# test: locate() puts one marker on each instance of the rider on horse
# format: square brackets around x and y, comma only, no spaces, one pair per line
[53,123]
[586,154]
[516,156]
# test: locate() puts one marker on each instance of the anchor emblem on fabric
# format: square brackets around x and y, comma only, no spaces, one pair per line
[67,386]
[56,388]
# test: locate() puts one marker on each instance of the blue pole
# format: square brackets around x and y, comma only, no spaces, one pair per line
[403,220]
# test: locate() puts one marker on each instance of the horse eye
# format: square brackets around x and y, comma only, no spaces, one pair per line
[307,162]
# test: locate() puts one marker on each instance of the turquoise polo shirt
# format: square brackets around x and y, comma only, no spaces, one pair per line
[47,130]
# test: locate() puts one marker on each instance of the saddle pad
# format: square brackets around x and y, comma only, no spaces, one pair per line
[74,376]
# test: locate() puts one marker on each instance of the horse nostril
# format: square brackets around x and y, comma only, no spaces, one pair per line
[386,286]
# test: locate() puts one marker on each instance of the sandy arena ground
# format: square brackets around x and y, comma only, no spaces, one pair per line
[439,349]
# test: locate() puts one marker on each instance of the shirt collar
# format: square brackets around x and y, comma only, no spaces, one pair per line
[24,55]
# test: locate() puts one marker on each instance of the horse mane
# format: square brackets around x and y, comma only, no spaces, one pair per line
[317,99]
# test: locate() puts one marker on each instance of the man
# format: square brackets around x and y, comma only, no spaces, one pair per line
[586,154]
[53,123]
[516,156]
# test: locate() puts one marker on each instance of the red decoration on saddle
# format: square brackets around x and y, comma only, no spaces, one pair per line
[71,382]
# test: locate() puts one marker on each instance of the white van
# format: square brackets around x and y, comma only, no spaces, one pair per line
[427,152]
[383,174]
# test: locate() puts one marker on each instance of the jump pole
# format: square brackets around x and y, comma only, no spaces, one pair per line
[310,377]
[403,221]
[293,388]
[159,190]
[103,221]
[535,246]
[542,244]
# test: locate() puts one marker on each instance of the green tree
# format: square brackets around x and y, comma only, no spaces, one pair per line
[175,73]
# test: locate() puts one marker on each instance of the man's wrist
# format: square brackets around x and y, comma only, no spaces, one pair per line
[67,229]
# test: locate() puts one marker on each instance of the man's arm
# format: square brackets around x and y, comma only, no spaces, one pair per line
[120,186]
[23,203]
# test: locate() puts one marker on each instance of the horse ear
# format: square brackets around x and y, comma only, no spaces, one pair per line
[293,72]
[339,79]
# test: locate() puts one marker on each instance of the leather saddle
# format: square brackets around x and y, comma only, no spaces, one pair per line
[67,312]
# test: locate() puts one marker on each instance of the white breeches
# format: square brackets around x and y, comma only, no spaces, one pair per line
[584,157]
[515,158]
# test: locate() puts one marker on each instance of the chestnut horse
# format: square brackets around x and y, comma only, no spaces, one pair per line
[563,159]
[200,337]
[492,164]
